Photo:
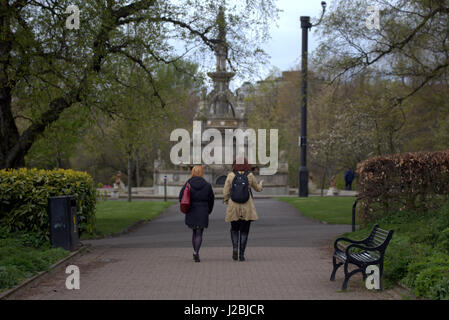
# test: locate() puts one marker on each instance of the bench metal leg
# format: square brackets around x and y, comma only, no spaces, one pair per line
[364,274]
[348,275]
[336,266]
[345,282]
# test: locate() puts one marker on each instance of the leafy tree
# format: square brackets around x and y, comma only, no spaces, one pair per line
[58,143]
[410,45]
[139,134]
[46,69]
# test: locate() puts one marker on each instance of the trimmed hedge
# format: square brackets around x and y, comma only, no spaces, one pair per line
[24,197]
[412,181]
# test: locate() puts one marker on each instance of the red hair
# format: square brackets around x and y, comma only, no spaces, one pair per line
[241,167]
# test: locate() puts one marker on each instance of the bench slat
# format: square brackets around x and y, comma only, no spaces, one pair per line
[364,257]
[381,231]
[375,243]
[380,239]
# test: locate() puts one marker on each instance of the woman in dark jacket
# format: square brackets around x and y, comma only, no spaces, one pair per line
[201,204]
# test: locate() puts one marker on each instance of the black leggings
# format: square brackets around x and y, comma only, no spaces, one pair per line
[197,239]
[239,234]
[241,225]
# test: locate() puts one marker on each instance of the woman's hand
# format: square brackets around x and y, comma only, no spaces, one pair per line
[261,182]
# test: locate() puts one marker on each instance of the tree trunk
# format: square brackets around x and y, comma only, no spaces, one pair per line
[137,171]
[391,143]
[16,154]
[58,160]
[378,140]
[9,134]
[323,181]
[58,163]
[129,178]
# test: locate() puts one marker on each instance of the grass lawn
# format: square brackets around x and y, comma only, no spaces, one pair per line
[332,210]
[24,255]
[114,216]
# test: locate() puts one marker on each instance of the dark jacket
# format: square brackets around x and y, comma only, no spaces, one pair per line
[201,202]
[349,176]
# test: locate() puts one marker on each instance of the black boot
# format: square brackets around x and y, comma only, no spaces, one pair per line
[243,241]
[196,257]
[235,244]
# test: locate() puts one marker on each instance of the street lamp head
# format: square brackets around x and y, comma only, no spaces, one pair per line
[324,4]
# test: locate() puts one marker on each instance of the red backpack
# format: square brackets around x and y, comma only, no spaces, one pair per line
[185,201]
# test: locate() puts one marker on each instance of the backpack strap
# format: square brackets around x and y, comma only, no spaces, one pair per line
[250,189]
[246,174]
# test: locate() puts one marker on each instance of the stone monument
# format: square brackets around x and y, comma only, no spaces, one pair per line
[221,109]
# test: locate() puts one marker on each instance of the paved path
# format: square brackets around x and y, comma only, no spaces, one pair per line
[288,258]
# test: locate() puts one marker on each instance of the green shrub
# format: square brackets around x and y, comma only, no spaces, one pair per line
[429,277]
[443,241]
[433,283]
[397,258]
[24,195]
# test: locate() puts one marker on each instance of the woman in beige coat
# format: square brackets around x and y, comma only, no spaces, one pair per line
[240,215]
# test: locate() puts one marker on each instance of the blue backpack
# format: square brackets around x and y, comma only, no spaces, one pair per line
[240,190]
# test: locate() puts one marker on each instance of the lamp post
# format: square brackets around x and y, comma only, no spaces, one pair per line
[303,191]
[165,188]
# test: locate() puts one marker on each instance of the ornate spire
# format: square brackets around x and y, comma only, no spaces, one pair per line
[221,48]
[220,104]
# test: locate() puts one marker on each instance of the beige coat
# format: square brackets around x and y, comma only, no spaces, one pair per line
[240,211]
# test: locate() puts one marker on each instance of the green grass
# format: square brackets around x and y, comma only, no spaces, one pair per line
[115,216]
[23,255]
[332,210]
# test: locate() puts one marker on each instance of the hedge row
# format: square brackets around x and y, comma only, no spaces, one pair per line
[24,195]
[410,181]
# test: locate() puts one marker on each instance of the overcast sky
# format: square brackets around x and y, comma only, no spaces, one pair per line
[284,48]
[285,45]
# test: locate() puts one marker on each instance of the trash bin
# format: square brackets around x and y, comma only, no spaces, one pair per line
[63,222]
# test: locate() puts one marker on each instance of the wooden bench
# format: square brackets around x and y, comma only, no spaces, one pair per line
[370,251]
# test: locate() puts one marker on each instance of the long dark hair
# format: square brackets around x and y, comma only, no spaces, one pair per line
[241,167]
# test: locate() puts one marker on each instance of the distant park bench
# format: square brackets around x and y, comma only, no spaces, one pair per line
[371,252]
